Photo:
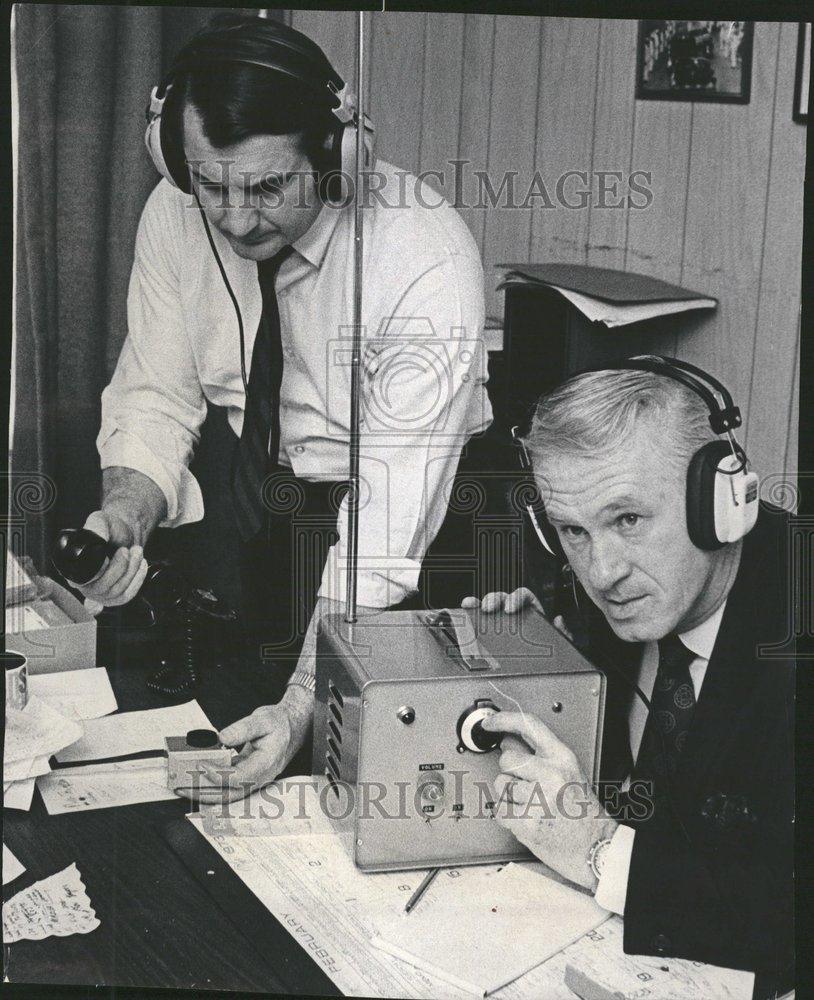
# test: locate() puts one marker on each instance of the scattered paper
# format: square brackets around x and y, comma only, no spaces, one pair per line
[311,885]
[102,786]
[504,925]
[289,807]
[134,732]
[597,966]
[76,694]
[12,868]
[21,770]
[37,731]
[57,906]
[18,794]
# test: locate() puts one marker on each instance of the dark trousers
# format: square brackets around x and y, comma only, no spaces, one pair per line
[281,568]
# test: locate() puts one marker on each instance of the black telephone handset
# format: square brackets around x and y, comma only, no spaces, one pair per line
[79,554]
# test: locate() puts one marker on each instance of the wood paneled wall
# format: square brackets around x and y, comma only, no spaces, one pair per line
[530,94]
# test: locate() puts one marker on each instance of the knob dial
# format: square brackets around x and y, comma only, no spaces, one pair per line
[470,731]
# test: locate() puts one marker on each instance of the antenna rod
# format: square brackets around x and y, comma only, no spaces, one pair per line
[356,355]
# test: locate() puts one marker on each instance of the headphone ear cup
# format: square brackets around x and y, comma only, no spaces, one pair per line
[172,147]
[333,181]
[701,475]
[341,162]
[165,150]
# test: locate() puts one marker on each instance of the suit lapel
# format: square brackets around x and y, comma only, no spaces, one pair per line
[729,680]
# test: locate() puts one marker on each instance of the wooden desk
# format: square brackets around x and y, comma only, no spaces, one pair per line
[159,926]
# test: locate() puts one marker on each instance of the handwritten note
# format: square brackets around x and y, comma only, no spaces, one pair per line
[55,906]
[12,868]
[134,732]
[76,694]
[102,786]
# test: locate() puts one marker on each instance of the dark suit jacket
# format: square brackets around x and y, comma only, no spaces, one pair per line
[721,892]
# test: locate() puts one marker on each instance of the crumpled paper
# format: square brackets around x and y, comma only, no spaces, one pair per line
[37,731]
[54,906]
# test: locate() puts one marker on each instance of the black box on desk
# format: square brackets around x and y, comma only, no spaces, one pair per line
[546,337]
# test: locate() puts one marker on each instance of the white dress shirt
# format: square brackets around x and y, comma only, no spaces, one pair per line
[611,893]
[424,365]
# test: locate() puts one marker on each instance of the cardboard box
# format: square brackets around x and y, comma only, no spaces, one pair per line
[61,647]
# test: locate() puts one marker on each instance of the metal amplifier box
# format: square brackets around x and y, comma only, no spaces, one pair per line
[398,699]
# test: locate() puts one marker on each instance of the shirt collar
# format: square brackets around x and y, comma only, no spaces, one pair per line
[313,244]
[701,639]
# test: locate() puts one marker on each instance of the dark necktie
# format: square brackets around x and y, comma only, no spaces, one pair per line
[260,438]
[671,709]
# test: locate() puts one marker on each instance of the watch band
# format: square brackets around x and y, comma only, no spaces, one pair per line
[597,855]
[304,678]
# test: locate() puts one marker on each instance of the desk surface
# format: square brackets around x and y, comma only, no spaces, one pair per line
[160,927]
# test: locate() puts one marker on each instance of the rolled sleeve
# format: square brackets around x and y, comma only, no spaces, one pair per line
[611,893]
[153,408]
[423,397]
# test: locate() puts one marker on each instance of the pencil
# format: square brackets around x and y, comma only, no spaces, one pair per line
[425,884]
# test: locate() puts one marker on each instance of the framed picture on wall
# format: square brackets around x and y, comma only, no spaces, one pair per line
[695,61]
[803,73]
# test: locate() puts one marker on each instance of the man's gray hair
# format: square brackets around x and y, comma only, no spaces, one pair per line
[598,411]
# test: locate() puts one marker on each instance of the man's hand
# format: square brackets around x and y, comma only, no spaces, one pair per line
[543,798]
[512,604]
[122,575]
[272,734]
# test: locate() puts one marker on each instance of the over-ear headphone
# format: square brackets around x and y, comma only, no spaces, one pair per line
[255,41]
[721,493]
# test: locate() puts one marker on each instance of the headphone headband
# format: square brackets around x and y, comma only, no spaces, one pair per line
[722,419]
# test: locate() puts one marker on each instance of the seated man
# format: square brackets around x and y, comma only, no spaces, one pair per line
[695,846]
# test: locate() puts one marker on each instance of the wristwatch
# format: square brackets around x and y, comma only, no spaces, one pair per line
[304,678]
[598,855]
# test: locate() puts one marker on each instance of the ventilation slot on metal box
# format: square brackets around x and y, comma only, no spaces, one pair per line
[332,782]
[333,754]
[332,766]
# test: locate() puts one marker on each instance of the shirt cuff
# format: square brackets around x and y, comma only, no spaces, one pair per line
[184,501]
[611,893]
[381,583]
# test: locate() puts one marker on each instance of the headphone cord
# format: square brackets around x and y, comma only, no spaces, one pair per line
[229,290]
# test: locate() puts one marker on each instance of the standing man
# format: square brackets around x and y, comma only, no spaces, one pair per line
[242,294]
[697,850]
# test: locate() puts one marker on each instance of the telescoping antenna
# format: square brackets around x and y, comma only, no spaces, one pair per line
[356,353]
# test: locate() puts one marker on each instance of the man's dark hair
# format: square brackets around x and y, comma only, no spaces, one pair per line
[239,101]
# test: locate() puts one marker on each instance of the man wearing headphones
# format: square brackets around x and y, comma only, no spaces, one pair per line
[681,593]
[242,294]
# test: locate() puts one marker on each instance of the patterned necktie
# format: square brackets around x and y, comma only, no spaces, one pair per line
[671,709]
[260,437]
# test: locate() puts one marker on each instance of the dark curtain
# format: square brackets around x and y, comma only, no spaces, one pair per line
[84,77]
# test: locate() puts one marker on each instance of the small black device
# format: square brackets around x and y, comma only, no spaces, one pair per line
[190,613]
[185,753]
